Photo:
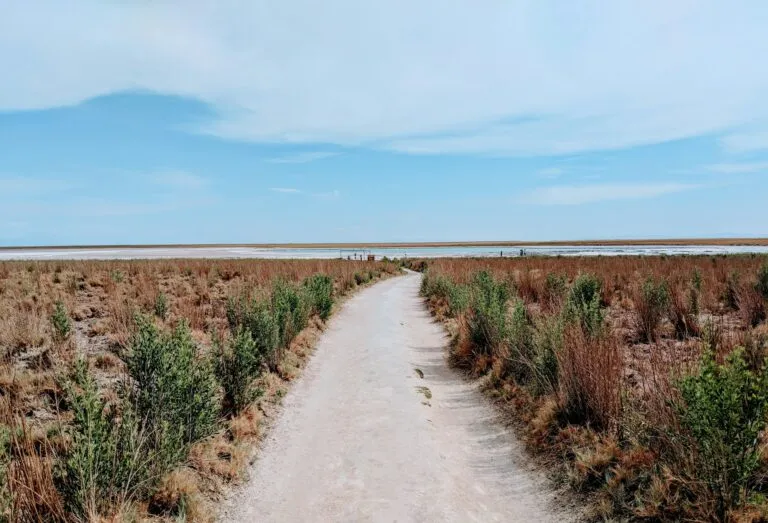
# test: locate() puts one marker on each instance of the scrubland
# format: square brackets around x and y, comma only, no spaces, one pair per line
[137,390]
[641,380]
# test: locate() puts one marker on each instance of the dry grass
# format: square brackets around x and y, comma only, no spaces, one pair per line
[101,299]
[612,417]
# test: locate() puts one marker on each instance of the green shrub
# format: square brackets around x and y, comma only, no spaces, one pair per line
[458,299]
[443,287]
[488,321]
[732,289]
[161,306]
[235,310]
[724,410]
[520,336]
[5,461]
[291,309]
[583,305]
[259,320]
[555,288]
[362,278]
[694,293]
[173,389]
[762,281]
[237,365]
[320,290]
[651,305]
[110,460]
[547,343]
[60,322]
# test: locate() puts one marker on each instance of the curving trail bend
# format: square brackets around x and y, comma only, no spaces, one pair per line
[360,438]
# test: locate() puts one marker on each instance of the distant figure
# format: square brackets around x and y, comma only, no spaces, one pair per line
[522,253]
[501,254]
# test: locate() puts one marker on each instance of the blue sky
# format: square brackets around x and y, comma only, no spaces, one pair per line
[301,121]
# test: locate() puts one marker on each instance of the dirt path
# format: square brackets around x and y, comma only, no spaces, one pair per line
[361,440]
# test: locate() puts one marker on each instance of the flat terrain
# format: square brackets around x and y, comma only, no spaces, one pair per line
[367,245]
[364,437]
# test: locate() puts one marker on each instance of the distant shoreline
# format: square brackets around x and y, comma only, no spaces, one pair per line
[735,242]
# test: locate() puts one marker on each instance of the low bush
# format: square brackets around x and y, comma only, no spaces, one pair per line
[590,374]
[488,319]
[320,290]
[682,315]
[651,305]
[173,388]
[456,295]
[237,365]
[62,326]
[520,342]
[762,281]
[694,293]
[291,309]
[547,343]
[583,305]
[723,409]
[731,291]
[161,306]
[555,289]
[751,306]
[110,461]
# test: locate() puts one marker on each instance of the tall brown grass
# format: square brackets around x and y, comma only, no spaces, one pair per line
[609,404]
[590,376]
[100,300]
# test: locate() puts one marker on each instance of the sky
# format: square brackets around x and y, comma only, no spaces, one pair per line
[343,121]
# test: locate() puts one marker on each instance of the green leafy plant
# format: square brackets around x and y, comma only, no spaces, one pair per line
[173,388]
[724,408]
[694,292]
[62,326]
[291,309]
[161,306]
[520,339]
[488,319]
[555,289]
[237,365]
[547,343]
[651,305]
[583,304]
[110,460]
[762,281]
[320,290]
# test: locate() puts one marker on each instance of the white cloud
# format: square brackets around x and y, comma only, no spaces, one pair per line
[179,180]
[302,157]
[550,172]
[581,194]
[328,195]
[504,77]
[15,185]
[734,168]
[745,142]
[287,190]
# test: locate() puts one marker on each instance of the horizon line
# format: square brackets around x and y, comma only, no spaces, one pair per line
[740,241]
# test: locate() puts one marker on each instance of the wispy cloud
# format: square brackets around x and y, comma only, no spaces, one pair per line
[286,190]
[550,172]
[586,73]
[305,157]
[745,142]
[581,194]
[328,195]
[179,180]
[27,185]
[734,168]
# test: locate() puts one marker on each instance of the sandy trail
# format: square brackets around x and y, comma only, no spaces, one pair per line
[359,441]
